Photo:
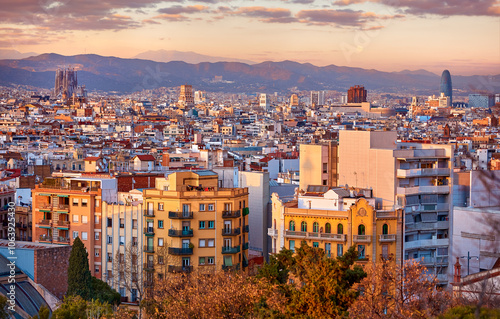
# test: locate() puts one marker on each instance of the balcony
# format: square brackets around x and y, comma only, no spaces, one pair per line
[149,231]
[231,214]
[231,250]
[231,231]
[149,249]
[231,268]
[408,173]
[362,238]
[334,237]
[63,207]
[246,211]
[180,251]
[426,243]
[413,190]
[180,269]
[64,240]
[45,238]
[246,228]
[272,232]
[62,224]
[149,213]
[387,238]
[180,233]
[149,266]
[442,224]
[442,277]
[180,215]
[245,246]
[363,258]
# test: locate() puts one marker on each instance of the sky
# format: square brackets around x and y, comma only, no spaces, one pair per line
[462,36]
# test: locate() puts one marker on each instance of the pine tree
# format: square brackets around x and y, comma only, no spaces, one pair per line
[79,277]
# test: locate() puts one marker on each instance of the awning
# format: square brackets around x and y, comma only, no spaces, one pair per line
[45,210]
[43,194]
[63,212]
[59,195]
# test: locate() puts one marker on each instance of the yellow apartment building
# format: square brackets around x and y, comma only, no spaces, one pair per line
[68,207]
[191,223]
[334,219]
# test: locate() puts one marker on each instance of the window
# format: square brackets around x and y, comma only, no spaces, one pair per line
[202,224]
[84,235]
[134,223]
[110,257]
[328,249]
[160,260]
[202,243]
[211,224]
[202,207]
[122,223]
[361,229]
[75,234]
[201,261]
[325,168]
[315,227]
[340,250]
[75,218]
[110,222]
[160,224]
[75,201]
[109,240]
[134,241]
[96,252]
[96,236]
[84,202]
[160,242]
[361,251]
[292,245]
[211,207]
[315,244]
[96,203]
[385,229]
[85,219]
[292,225]
[210,260]
[324,182]
[340,229]
[303,226]
[211,242]
[122,240]
[328,228]
[160,206]
[96,220]
[96,268]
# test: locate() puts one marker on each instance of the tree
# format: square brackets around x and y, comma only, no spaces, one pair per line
[4,310]
[394,291]
[75,307]
[79,276]
[469,312]
[43,313]
[104,293]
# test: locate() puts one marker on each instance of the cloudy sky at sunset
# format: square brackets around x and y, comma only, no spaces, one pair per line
[390,35]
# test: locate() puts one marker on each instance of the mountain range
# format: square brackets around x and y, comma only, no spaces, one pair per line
[128,75]
[185,56]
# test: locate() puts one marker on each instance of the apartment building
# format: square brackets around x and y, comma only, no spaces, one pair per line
[192,223]
[318,165]
[334,219]
[68,207]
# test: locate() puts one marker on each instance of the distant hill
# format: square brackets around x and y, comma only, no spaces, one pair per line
[128,75]
[14,54]
[188,57]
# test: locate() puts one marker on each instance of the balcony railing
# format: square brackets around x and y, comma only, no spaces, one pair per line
[231,268]
[45,238]
[245,246]
[63,206]
[335,237]
[180,251]
[231,250]
[315,235]
[413,190]
[149,213]
[63,239]
[149,266]
[149,231]
[231,231]
[180,233]
[149,249]
[246,228]
[180,215]
[231,214]
[361,238]
[272,232]
[387,238]
[45,222]
[62,223]
[405,173]
[177,269]
[364,258]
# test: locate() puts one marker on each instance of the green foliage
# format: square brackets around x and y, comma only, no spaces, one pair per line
[468,312]
[43,313]
[104,293]
[73,307]
[79,277]
[4,310]
[278,268]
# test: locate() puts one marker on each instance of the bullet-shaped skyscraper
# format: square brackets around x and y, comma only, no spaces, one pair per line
[446,85]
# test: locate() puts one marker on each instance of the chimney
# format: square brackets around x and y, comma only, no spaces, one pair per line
[458,275]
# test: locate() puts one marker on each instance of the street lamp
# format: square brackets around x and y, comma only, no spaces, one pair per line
[468,260]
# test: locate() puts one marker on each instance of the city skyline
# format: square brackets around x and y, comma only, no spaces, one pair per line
[379,34]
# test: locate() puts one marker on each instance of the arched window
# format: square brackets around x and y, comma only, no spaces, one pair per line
[303,226]
[315,227]
[340,229]
[361,229]
[292,225]
[328,228]
[385,229]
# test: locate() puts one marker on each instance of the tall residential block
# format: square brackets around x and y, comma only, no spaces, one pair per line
[186,98]
[191,223]
[318,165]
[356,94]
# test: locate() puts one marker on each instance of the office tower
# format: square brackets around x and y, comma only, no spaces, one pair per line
[186,98]
[335,219]
[190,222]
[446,86]
[317,98]
[66,83]
[264,101]
[356,94]
[481,100]
[200,97]
[413,176]
[318,165]
[66,208]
